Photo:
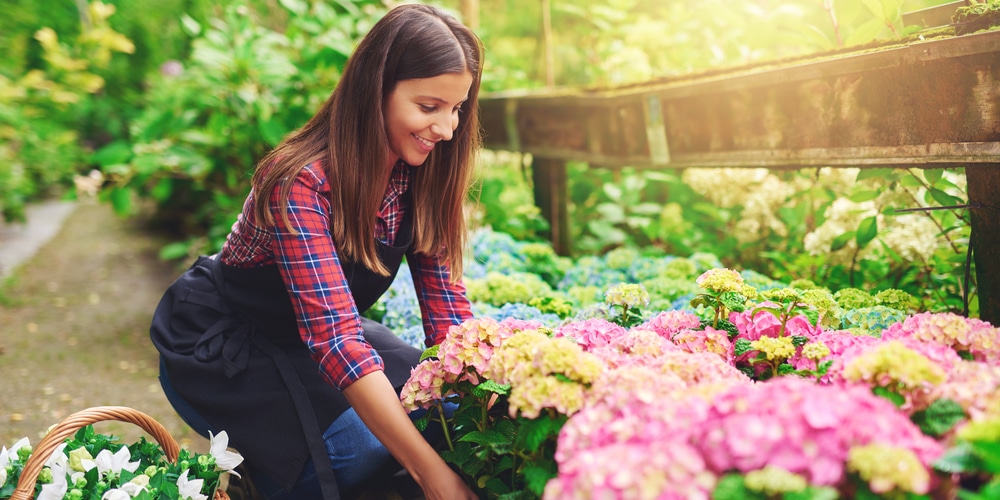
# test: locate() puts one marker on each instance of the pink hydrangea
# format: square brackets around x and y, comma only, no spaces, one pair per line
[802,427]
[707,340]
[764,324]
[591,333]
[668,323]
[838,341]
[514,325]
[640,471]
[471,345]
[424,387]
[975,336]
[971,384]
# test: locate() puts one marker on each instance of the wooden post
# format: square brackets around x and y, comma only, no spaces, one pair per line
[984,196]
[549,179]
[469,9]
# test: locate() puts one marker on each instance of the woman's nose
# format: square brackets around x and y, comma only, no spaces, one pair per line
[445,126]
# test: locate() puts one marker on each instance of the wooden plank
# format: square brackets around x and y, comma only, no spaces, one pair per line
[934,103]
[984,196]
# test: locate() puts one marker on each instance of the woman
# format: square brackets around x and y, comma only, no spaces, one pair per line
[266,339]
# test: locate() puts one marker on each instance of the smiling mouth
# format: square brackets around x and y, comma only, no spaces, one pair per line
[425,142]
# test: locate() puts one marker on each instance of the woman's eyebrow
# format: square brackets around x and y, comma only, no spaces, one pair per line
[438,99]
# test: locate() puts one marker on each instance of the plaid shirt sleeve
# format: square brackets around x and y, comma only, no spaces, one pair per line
[328,318]
[442,304]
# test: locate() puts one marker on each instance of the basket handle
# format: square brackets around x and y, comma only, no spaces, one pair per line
[69,425]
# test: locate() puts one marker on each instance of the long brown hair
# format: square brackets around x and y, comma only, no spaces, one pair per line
[411,41]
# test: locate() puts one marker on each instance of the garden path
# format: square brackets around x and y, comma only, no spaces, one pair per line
[79,290]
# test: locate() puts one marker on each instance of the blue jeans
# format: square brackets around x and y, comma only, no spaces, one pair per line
[355,453]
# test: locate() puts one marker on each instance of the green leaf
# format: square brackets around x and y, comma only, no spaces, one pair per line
[862,196]
[958,459]
[867,231]
[490,387]
[536,476]
[785,369]
[932,175]
[297,7]
[742,347]
[896,399]
[799,340]
[174,251]
[944,198]
[430,352]
[733,301]
[422,422]
[121,200]
[841,241]
[731,487]
[873,173]
[114,153]
[939,418]
[488,437]
[533,432]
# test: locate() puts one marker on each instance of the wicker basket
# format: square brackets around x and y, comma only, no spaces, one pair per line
[68,427]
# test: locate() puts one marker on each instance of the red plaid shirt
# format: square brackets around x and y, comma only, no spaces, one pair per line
[328,319]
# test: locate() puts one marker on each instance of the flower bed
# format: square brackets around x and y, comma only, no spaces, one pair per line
[689,380]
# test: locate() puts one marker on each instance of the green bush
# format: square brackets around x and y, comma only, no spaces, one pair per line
[209,119]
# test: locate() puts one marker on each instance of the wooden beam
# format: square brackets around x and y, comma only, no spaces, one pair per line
[984,196]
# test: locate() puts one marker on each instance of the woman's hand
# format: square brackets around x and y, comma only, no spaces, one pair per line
[444,483]
[373,398]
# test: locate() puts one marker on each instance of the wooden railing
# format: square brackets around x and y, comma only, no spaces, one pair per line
[924,104]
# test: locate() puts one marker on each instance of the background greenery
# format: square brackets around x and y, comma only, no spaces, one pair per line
[163,108]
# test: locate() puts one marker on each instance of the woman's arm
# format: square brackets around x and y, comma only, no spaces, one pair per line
[442,303]
[375,401]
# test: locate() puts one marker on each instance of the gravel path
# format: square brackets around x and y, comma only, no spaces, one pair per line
[74,323]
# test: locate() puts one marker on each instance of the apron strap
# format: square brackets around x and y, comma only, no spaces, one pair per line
[307,417]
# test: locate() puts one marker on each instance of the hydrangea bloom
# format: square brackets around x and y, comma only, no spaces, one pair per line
[803,428]
[424,387]
[887,468]
[534,393]
[773,480]
[668,323]
[470,344]
[721,280]
[512,360]
[874,319]
[971,384]
[894,365]
[641,471]
[627,295]
[591,333]
[706,340]
[977,337]
[764,324]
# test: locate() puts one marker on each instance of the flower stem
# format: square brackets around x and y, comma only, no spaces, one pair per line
[444,426]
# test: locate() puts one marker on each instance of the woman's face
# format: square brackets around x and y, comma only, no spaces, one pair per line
[421,112]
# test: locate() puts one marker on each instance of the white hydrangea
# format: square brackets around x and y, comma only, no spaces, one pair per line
[913,236]
[724,187]
[842,216]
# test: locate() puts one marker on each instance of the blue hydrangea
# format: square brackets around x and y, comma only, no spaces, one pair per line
[525,312]
[873,319]
[599,310]
[413,335]
[486,242]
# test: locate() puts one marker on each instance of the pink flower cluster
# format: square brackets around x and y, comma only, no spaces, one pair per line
[707,340]
[471,344]
[975,336]
[802,427]
[764,324]
[426,385]
[668,323]
[591,333]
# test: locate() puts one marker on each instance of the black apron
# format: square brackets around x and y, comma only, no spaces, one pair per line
[230,342]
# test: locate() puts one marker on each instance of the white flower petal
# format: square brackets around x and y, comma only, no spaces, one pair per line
[189,490]
[224,459]
[58,487]
[116,494]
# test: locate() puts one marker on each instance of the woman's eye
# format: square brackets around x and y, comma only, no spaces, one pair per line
[428,109]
